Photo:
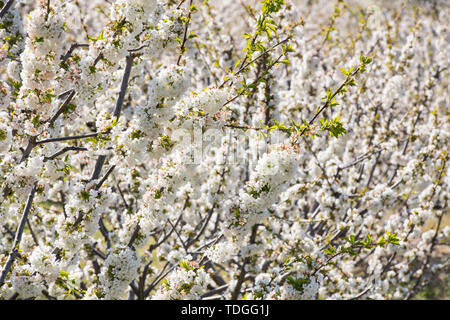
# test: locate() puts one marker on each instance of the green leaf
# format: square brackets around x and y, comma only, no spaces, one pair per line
[36,121]
[63,274]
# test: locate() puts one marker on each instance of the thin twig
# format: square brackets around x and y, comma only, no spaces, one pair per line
[330,99]
[73,46]
[62,108]
[186,27]
[242,272]
[83,136]
[64,150]
[100,183]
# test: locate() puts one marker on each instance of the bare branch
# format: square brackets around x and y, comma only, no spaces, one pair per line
[186,27]
[100,183]
[124,85]
[83,136]
[62,108]
[15,250]
[64,150]
[6,8]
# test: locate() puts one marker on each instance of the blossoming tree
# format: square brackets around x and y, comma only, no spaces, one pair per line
[161,149]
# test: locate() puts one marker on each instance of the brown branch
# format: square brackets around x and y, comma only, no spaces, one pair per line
[73,46]
[186,27]
[124,85]
[100,183]
[64,150]
[101,159]
[15,250]
[242,272]
[134,236]
[105,233]
[61,109]
[6,8]
[329,100]
[254,82]
[245,65]
[83,136]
